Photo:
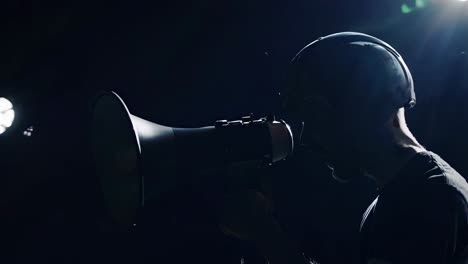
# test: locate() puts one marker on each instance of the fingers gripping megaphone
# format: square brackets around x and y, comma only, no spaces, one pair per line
[137,160]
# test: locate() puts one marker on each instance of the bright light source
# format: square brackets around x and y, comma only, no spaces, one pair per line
[405,9]
[7,114]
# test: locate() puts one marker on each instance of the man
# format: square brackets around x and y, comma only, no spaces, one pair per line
[350,91]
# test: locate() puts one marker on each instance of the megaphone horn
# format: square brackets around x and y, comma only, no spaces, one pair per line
[137,159]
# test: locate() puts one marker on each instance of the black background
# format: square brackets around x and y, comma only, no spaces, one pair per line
[188,63]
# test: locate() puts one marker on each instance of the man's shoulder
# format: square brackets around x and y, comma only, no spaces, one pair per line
[424,210]
[429,186]
[439,190]
[368,212]
[444,179]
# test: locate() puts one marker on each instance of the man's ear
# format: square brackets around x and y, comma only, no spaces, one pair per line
[317,114]
[306,136]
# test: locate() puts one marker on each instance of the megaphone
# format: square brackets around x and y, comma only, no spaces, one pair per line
[137,160]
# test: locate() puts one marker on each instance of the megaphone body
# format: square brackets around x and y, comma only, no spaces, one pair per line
[137,160]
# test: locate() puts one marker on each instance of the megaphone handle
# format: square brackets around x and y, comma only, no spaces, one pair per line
[245,140]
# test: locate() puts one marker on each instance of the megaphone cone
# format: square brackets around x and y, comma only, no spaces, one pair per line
[137,159]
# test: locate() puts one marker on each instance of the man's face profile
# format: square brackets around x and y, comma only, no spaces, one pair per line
[330,133]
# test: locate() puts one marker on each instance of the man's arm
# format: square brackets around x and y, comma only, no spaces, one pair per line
[433,227]
[246,215]
[273,242]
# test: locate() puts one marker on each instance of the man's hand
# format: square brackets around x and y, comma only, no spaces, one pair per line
[244,214]
[247,215]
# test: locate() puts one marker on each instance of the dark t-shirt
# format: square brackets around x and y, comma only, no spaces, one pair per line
[420,217]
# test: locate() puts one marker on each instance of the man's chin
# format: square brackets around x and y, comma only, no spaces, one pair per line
[344,174]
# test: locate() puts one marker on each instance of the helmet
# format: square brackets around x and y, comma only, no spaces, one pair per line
[354,72]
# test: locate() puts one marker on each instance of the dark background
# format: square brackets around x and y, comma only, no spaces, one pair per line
[188,63]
